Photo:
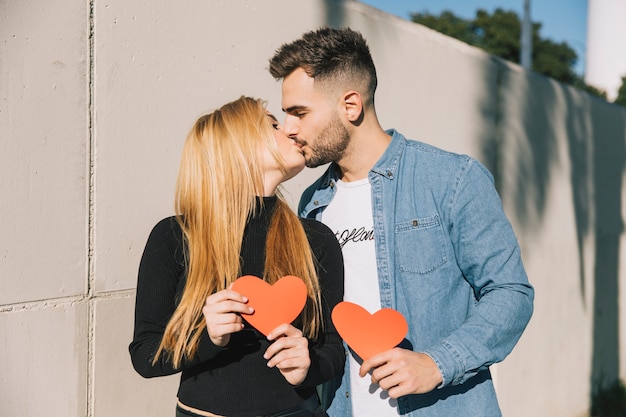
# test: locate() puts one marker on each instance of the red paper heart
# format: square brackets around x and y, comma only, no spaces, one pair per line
[273,304]
[369,334]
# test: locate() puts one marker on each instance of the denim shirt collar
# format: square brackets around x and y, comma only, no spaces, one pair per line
[319,194]
[387,165]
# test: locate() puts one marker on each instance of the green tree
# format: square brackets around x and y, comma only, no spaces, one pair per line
[449,24]
[499,34]
[555,60]
[621,93]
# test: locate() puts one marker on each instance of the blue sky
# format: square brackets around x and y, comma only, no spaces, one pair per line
[562,20]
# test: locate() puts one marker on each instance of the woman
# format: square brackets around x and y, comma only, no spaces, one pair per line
[231,221]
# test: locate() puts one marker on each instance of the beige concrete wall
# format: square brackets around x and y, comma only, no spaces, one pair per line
[96,99]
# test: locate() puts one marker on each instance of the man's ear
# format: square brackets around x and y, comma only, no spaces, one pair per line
[353,106]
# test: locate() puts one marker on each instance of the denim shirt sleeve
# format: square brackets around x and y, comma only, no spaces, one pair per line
[489,257]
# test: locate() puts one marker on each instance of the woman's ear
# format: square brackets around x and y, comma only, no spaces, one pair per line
[353,106]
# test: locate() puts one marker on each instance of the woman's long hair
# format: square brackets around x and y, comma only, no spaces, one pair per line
[219,181]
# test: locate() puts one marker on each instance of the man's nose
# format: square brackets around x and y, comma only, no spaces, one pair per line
[290,126]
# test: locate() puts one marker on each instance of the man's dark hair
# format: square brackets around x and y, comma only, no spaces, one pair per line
[328,55]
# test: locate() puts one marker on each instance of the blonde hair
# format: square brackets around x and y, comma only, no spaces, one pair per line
[219,182]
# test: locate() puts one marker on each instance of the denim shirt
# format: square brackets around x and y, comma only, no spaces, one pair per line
[449,261]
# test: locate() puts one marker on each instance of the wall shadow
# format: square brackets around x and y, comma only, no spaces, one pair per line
[596,146]
[609,152]
[596,133]
[528,149]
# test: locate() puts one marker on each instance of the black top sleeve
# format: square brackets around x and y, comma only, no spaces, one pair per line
[159,286]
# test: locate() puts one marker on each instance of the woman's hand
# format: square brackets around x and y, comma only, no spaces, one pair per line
[222,315]
[289,353]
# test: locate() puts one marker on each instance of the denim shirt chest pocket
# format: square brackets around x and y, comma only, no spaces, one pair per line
[420,245]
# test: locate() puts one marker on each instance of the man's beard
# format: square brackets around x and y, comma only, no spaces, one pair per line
[330,144]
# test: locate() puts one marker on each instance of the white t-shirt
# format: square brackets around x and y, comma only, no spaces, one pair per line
[349,215]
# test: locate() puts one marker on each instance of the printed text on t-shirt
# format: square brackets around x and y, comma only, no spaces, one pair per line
[354,235]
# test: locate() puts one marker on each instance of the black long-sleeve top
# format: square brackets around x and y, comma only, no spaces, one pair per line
[233,380]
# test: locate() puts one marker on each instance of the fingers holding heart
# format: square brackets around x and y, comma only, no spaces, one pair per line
[285,337]
[402,372]
[289,353]
[222,315]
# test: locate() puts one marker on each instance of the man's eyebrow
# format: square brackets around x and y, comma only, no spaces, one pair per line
[294,108]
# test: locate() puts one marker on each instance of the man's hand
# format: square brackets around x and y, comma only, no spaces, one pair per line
[402,372]
[289,353]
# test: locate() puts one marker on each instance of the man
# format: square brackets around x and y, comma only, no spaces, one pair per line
[422,231]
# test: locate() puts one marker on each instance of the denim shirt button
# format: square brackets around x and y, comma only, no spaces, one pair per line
[347,394]
[316,203]
[415,222]
[389,174]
